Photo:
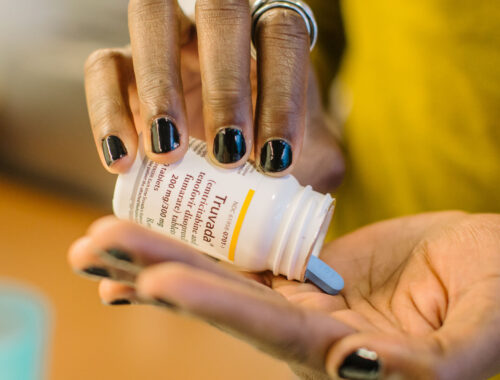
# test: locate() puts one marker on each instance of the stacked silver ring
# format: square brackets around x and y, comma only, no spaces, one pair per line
[262,6]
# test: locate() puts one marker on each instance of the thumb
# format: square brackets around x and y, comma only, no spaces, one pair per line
[381,356]
[367,356]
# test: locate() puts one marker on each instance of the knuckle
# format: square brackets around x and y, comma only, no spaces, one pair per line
[176,277]
[230,10]
[104,112]
[147,9]
[293,343]
[102,58]
[224,95]
[156,87]
[285,109]
[283,26]
[178,273]
[115,230]
[222,4]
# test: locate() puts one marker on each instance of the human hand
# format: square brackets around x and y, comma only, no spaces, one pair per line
[421,292]
[155,87]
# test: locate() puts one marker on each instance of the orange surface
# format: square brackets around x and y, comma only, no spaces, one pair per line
[93,341]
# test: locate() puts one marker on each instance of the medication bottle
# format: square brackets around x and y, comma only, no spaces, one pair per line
[236,215]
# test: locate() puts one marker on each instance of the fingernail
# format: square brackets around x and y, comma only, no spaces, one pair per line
[164,135]
[275,156]
[229,145]
[362,364]
[119,254]
[120,302]
[96,271]
[162,302]
[113,149]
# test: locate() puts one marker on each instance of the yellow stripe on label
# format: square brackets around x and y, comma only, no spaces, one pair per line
[239,223]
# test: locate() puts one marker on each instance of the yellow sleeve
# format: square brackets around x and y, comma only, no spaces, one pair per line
[421,81]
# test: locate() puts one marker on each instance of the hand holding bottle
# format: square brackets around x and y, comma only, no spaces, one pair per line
[421,298]
[177,80]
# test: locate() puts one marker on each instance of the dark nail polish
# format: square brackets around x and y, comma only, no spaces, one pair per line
[162,302]
[96,271]
[113,149]
[120,302]
[229,145]
[119,254]
[360,365]
[164,135]
[275,156]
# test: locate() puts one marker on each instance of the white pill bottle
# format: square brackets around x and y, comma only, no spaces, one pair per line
[236,215]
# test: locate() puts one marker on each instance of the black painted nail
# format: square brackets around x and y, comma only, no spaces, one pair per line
[275,156]
[113,149]
[362,364]
[119,254]
[164,135]
[96,271]
[120,302]
[229,145]
[167,304]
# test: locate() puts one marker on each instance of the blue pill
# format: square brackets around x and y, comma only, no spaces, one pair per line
[324,277]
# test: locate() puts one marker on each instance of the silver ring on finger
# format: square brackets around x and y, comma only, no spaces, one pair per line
[262,6]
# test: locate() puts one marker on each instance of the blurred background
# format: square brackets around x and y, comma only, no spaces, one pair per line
[416,94]
[52,187]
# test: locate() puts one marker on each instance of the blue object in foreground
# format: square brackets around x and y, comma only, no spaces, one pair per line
[23,333]
[324,277]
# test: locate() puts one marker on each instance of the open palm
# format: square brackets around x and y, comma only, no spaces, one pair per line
[422,292]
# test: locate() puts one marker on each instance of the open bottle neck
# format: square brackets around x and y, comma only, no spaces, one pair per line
[301,233]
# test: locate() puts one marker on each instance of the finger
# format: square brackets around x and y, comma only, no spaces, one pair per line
[87,260]
[266,320]
[113,293]
[321,144]
[467,346]
[125,246]
[116,294]
[379,356]
[224,47]
[282,44]
[108,75]
[155,34]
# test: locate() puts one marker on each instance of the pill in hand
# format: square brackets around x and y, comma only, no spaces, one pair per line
[324,277]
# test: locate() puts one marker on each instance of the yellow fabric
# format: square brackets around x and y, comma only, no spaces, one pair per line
[423,133]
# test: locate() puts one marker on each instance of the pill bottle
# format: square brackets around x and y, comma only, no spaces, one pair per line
[236,215]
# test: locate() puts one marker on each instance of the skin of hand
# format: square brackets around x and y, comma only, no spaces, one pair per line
[422,292]
[176,74]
